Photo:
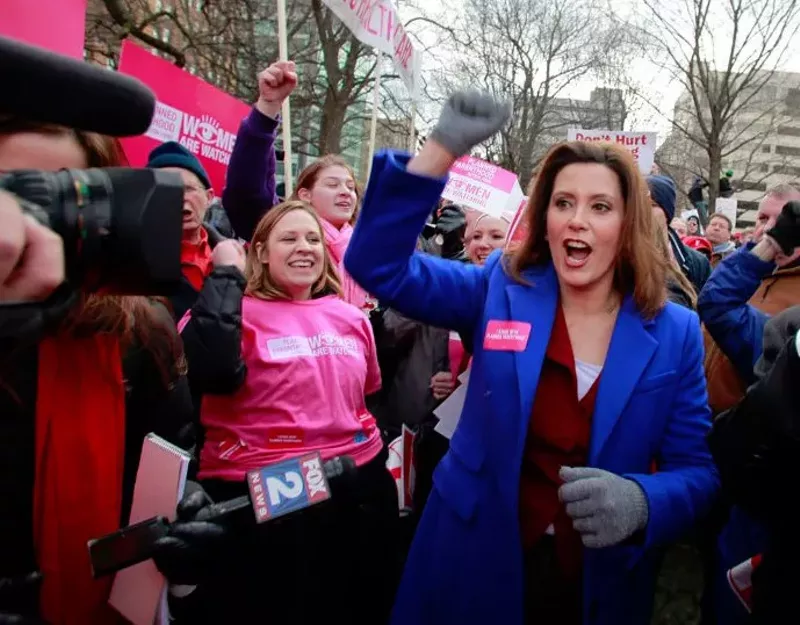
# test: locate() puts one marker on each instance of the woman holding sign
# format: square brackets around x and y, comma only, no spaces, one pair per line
[546,510]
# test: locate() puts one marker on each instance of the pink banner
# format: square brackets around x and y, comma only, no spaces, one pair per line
[57,25]
[480,171]
[190,111]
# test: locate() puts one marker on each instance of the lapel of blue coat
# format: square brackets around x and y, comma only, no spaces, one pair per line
[629,353]
[535,304]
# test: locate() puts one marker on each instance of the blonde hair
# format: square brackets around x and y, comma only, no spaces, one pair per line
[259,281]
[640,267]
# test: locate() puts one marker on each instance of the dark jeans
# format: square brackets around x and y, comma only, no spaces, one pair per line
[550,598]
[336,562]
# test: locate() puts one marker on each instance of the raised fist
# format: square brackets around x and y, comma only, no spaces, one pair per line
[229,253]
[469,118]
[275,84]
[786,231]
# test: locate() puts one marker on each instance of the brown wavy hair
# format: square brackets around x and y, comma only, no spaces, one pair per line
[259,281]
[309,176]
[640,267]
[140,321]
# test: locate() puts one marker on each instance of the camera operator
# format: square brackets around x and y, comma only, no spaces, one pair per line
[77,397]
[756,446]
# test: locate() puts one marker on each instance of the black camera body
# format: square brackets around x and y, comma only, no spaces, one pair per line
[121,227]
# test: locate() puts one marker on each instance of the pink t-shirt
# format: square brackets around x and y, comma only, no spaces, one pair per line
[309,366]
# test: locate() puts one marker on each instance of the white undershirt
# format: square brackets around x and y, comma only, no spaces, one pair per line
[586,375]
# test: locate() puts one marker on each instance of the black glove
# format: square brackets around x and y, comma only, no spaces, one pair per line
[786,231]
[451,225]
[19,600]
[193,550]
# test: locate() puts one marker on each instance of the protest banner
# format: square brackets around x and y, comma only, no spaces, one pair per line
[190,111]
[58,25]
[483,186]
[641,144]
[376,23]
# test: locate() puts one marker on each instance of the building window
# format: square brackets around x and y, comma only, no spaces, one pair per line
[764,167]
[787,150]
[790,131]
[766,149]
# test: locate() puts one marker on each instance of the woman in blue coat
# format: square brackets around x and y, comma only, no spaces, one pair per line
[547,508]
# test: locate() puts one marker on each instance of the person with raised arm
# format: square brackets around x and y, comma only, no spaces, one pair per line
[546,508]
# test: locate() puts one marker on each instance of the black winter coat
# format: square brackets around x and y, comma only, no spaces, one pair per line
[756,446]
[150,407]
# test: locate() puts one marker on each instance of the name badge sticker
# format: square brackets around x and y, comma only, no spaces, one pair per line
[506,336]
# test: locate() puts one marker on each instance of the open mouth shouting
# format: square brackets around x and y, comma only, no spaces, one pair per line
[577,253]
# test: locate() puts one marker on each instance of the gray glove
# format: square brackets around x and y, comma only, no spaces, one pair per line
[469,118]
[605,508]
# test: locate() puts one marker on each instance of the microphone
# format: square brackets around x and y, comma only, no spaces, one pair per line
[275,490]
[43,86]
[286,487]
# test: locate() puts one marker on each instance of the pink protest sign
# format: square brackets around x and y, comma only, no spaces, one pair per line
[518,229]
[482,186]
[57,25]
[199,116]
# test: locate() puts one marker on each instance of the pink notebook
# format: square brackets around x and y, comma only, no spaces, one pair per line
[139,593]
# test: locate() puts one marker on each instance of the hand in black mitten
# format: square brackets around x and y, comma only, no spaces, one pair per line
[786,231]
[451,225]
[192,550]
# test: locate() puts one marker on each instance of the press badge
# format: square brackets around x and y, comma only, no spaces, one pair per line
[506,336]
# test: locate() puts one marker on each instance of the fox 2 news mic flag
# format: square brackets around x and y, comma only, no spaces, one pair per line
[288,486]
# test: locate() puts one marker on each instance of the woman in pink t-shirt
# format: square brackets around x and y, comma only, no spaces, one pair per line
[284,365]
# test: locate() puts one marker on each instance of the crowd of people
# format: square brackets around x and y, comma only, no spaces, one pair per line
[630,384]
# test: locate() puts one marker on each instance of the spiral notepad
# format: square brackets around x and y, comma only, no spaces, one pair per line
[139,593]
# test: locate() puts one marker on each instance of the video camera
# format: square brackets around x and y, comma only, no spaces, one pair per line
[121,227]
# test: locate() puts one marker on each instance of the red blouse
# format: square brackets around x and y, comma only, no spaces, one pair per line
[558,435]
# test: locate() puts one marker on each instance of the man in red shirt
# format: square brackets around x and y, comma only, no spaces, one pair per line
[197,196]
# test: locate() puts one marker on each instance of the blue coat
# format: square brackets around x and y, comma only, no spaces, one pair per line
[736,326]
[465,565]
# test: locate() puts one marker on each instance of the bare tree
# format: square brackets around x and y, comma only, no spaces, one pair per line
[530,52]
[724,54]
[228,42]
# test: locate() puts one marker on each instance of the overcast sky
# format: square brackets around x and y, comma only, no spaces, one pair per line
[662,90]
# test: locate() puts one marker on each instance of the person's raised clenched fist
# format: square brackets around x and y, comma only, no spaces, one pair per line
[469,118]
[275,84]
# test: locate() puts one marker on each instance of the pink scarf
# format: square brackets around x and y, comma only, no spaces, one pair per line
[337,240]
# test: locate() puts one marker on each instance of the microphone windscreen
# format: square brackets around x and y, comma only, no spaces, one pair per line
[39,85]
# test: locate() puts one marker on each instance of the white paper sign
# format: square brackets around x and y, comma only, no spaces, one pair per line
[727,206]
[449,411]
